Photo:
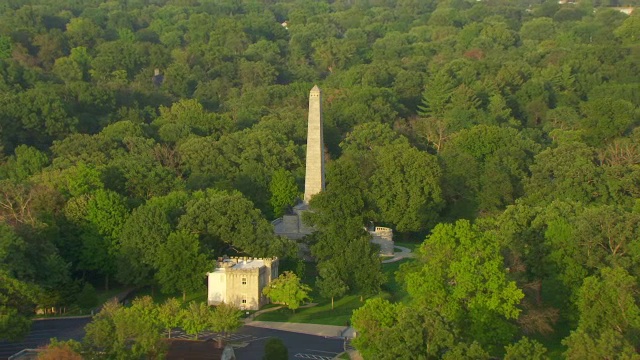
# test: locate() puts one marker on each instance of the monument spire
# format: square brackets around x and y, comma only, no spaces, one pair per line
[314,176]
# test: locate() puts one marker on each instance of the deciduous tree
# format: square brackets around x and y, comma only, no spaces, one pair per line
[470,289]
[196,317]
[288,289]
[181,264]
[226,318]
[329,282]
[169,314]
[284,191]
[609,316]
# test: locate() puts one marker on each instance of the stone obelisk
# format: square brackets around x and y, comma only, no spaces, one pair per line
[314,177]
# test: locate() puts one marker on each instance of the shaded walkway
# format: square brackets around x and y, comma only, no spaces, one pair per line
[404,253]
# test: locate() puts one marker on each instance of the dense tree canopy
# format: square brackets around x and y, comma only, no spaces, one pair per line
[504,133]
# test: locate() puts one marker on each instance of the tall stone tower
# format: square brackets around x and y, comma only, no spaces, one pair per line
[314,177]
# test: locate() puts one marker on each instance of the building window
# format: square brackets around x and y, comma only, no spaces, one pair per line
[244,281]
[244,300]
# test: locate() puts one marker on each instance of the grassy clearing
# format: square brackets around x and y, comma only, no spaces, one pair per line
[409,245]
[322,313]
[159,297]
[392,287]
[319,314]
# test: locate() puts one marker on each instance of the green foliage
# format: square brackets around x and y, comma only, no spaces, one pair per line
[107,211]
[288,289]
[571,167]
[340,238]
[274,349]
[181,265]
[485,167]
[470,290]
[228,217]
[99,333]
[5,47]
[188,117]
[17,302]
[330,283]
[126,333]
[169,314]
[14,326]
[609,316]
[144,234]
[87,298]
[195,318]
[406,185]
[471,351]
[26,162]
[284,191]
[226,319]
[399,329]
[521,116]
[526,349]
[13,256]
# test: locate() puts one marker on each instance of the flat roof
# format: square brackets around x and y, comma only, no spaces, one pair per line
[249,264]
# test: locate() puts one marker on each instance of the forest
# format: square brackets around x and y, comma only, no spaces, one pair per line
[142,139]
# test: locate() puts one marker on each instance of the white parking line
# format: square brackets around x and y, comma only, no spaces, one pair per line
[320,351]
[312,356]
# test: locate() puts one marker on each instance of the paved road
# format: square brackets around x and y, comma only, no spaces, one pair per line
[301,346]
[249,340]
[400,253]
[42,331]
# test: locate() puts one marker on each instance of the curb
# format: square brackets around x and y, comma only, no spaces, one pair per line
[62,317]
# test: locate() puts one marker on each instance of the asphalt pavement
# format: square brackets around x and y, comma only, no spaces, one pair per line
[248,341]
[43,330]
[300,346]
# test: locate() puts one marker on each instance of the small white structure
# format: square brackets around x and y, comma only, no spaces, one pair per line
[240,281]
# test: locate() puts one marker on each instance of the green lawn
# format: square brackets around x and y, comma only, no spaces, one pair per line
[409,245]
[159,297]
[392,287]
[322,313]
[319,314]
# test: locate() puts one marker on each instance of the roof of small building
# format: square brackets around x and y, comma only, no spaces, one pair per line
[249,264]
